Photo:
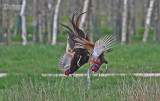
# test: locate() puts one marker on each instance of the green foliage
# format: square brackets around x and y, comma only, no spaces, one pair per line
[29,18]
[62,38]
[18,38]
[29,29]
[65,19]
[141,31]
[138,37]
[105,30]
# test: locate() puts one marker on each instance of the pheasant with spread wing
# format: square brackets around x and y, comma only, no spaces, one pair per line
[74,58]
[102,45]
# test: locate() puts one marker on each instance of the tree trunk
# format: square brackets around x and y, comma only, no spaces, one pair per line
[118,18]
[1,21]
[41,20]
[18,23]
[49,10]
[35,22]
[124,23]
[54,37]
[148,19]
[156,35]
[131,19]
[24,31]
[144,4]
[8,25]
[85,9]
[91,20]
[40,27]
[44,24]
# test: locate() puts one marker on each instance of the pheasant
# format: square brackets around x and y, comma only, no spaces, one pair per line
[102,45]
[73,59]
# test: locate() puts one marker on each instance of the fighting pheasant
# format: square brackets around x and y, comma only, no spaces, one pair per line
[102,45]
[74,57]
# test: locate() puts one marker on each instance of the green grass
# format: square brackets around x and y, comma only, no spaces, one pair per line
[30,58]
[37,88]
[36,58]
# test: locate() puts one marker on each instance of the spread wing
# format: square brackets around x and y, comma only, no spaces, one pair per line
[103,44]
[64,62]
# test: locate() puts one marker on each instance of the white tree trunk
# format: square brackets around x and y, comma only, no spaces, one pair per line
[124,23]
[148,19]
[54,37]
[85,8]
[24,32]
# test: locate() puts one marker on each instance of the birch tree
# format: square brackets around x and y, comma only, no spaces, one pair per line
[85,9]
[124,23]
[24,31]
[1,15]
[35,22]
[148,19]
[54,37]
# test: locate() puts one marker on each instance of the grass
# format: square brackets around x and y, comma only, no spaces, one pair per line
[30,58]
[37,88]
[36,58]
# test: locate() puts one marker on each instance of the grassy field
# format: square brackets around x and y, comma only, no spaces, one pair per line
[37,88]
[36,58]
[33,59]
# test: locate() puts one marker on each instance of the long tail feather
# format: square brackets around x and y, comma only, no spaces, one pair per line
[78,18]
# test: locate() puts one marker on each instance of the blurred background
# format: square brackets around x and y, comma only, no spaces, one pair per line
[32,38]
[38,21]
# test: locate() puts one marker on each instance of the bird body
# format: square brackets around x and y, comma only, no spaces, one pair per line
[78,56]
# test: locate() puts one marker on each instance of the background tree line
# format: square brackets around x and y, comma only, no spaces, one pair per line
[39,20]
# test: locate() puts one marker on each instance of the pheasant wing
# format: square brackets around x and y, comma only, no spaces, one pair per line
[103,44]
[64,62]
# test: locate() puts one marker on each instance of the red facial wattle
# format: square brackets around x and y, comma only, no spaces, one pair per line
[66,72]
[95,68]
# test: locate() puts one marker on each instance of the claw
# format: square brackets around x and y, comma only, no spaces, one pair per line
[88,79]
[73,76]
[106,68]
